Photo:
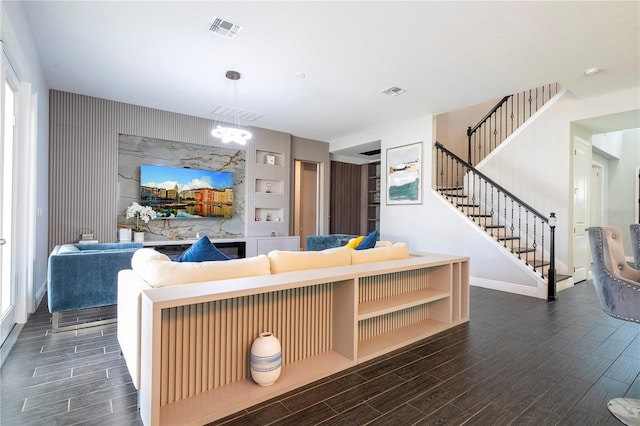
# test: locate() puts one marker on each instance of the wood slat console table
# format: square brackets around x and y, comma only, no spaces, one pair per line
[196,338]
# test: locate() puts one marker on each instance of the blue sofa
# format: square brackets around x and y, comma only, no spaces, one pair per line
[321,242]
[81,276]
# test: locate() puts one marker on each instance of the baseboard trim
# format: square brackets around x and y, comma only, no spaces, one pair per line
[11,339]
[523,290]
[40,294]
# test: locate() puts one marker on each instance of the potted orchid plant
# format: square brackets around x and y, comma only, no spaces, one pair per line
[140,213]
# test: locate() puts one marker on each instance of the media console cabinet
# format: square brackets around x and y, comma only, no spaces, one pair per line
[196,338]
[232,247]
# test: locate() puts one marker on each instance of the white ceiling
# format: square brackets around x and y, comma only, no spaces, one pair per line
[447,55]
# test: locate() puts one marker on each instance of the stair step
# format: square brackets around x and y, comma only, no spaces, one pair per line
[514,243]
[539,263]
[521,250]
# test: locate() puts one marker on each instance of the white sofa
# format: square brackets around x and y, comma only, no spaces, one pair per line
[152,269]
[185,329]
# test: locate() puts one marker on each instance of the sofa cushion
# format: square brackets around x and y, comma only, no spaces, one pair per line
[355,242]
[159,271]
[380,254]
[202,250]
[369,241]
[67,248]
[287,261]
[384,243]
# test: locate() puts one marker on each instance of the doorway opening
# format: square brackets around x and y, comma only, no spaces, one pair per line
[306,200]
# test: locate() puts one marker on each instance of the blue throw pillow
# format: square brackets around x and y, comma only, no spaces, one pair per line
[369,241]
[202,250]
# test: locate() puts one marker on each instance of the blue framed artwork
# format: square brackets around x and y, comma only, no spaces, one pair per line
[404,174]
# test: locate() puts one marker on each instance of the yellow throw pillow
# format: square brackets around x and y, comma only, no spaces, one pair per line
[355,242]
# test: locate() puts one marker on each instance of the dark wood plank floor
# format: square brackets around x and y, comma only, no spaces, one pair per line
[519,361]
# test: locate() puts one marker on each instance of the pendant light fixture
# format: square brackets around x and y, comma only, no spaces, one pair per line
[232,132]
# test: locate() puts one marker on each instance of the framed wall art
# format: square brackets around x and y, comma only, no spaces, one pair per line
[404,174]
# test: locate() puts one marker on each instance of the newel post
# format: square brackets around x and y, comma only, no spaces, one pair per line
[551,286]
[469,133]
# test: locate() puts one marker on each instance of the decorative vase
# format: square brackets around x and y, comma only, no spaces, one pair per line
[124,234]
[266,359]
[138,237]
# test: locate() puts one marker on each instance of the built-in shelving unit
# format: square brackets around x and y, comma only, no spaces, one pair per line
[422,302]
[373,196]
[268,173]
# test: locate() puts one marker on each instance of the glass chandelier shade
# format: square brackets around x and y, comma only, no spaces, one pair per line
[232,132]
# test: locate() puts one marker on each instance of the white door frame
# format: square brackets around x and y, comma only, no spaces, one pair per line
[580,199]
[9,296]
[24,189]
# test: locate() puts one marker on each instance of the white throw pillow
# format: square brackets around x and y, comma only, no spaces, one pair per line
[380,254]
[287,261]
[159,271]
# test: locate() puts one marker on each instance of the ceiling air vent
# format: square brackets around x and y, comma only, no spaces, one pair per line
[370,153]
[232,112]
[225,28]
[393,91]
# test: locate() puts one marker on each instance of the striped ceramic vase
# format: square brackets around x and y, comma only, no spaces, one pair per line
[266,359]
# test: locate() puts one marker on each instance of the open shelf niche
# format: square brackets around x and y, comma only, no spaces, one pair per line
[268,175]
[424,302]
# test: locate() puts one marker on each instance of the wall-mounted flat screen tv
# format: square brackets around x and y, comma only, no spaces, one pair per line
[186,193]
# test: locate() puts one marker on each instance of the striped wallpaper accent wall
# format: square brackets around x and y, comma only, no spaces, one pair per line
[83,157]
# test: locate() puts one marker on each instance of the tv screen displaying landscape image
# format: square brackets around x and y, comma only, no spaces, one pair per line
[185,193]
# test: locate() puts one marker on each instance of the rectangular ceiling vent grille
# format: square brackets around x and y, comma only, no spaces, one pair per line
[225,28]
[393,91]
[232,112]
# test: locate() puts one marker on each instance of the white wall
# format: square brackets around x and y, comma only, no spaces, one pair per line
[451,127]
[23,55]
[434,225]
[622,181]
[608,144]
[537,165]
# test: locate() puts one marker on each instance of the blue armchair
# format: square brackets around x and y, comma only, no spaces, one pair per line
[81,276]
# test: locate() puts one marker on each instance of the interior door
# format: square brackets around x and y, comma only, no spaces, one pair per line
[581,176]
[307,179]
[595,196]
[8,284]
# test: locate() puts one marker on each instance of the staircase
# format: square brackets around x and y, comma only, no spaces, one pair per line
[518,227]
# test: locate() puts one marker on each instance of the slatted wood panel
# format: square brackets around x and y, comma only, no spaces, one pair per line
[83,158]
[196,337]
[377,287]
[346,192]
[393,321]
